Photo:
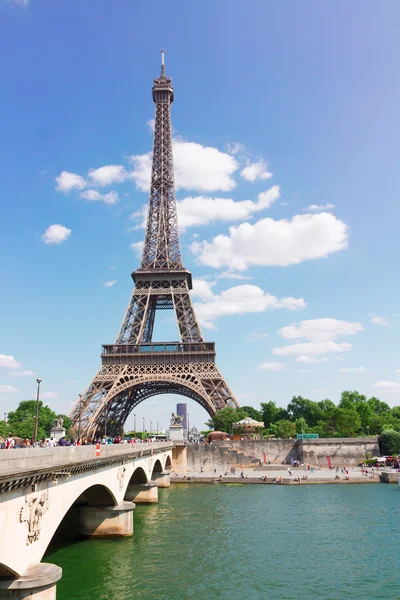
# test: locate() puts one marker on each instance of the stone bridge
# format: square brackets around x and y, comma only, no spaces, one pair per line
[41,488]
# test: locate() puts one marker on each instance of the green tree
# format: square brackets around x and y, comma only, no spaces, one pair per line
[22,420]
[349,399]
[270,413]
[285,429]
[390,441]
[326,406]
[252,412]
[224,419]
[302,408]
[347,422]
[301,425]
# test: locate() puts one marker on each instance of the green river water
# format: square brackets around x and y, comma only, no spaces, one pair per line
[330,542]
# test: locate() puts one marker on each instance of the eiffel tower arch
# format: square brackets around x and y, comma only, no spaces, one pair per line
[135,368]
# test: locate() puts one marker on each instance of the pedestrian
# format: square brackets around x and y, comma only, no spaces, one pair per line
[289,471]
[10,442]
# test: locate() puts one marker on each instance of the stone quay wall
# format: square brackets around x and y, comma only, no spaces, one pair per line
[248,453]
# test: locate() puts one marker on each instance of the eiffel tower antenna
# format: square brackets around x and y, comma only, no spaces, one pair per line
[134,367]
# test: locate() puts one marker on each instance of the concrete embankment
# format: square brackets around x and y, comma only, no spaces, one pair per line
[250,453]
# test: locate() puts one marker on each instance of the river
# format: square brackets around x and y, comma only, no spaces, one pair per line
[328,542]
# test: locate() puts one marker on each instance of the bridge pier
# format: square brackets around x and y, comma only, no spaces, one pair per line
[142,493]
[162,479]
[37,583]
[106,520]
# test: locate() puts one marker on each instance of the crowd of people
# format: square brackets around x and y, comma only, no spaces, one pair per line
[14,442]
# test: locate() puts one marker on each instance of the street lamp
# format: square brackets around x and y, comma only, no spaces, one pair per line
[150,427]
[157,427]
[188,427]
[5,425]
[79,417]
[134,425]
[143,430]
[38,381]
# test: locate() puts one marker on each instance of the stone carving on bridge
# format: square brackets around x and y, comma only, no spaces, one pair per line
[120,476]
[32,513]
[176,420]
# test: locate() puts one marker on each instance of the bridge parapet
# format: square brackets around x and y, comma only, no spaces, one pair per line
[33,459]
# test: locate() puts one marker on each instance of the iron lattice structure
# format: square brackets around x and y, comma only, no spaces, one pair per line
[135,368]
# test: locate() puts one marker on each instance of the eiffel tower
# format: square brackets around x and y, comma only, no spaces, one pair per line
[134,367]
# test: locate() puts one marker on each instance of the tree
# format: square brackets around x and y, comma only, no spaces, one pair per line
[390,441]
[347,422]
[301,425]
[270,413]
[22,420]
[285,429]
[303,408]
[224,418]
[349,400]
[252,412]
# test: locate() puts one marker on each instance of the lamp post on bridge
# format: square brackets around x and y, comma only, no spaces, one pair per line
[188,427]
[38,381]
[143,430]
[134,425]
[157,427]
[150,427]
[79,420]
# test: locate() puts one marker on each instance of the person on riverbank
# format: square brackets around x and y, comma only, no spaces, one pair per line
[289,472]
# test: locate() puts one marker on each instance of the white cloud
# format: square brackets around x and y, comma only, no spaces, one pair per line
[8,389]
[229,275]
[49,395]
[94,195]
[234,147]
[151,124]
[352,370]
[339,357]
[385,386]
[21,374]
[203,168]
[55,234]
[197,167]
[271,366]
[318,207]
[67,181]
[256,170]
[320,329]
[376,320]
[303,370]
[254,336]
[274,243]
[108,284]
[310,359]
[312,348]
[137,247]
[202,289]
[200,210]
[141,172]
[107,175]
[8,362]
[320,335]
[237,300]
[397,370]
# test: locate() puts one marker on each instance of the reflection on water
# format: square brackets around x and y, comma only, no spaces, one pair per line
[253,542]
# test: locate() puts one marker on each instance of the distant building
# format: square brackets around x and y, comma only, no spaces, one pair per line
[181,410]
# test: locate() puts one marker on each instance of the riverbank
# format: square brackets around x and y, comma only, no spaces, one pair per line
[269,481]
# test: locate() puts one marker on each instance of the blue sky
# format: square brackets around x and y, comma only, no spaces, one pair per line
[286,129]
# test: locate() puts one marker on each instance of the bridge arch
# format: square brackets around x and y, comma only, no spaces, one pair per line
[157,468]
[138,476]
[168,464]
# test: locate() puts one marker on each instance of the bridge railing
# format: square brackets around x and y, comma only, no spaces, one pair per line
[21,460]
